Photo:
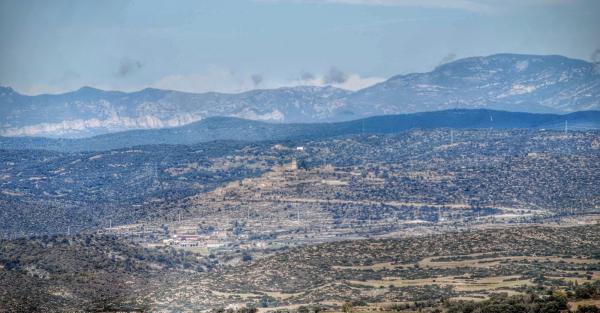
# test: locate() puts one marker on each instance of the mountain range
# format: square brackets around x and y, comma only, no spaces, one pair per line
[236,129]
[511,82]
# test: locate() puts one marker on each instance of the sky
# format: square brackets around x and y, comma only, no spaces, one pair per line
[232,46]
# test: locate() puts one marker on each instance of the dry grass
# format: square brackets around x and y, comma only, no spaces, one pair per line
[459,283]
[575,304]
[489,262]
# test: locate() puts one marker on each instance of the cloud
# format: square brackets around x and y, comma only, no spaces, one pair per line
[66,81]
[220,79]
[215,78]
[335,76]
[224,80]
[595,58]
[39,89]
[356,82]
[447,58]
[257,79]
[307,76]
[128,67]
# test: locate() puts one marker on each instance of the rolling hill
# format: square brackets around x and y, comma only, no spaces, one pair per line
[228,128]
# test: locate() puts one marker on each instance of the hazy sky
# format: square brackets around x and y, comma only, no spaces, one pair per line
[56,46]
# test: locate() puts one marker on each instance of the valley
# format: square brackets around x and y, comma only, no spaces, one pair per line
[299,156]
[393,222]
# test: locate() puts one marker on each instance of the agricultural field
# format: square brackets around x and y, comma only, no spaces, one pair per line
[429,270]
[426,272]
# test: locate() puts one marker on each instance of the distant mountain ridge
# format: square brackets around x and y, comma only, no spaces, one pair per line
[230,128]
[89,111]
[511,82]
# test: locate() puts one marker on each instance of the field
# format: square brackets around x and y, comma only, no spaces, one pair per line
[380,273]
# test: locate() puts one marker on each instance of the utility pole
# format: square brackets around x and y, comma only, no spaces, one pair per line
[566,127]
[452,136]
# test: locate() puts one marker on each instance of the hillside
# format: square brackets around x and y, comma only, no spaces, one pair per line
[410,274]
[95,272]
[227,128]
[49,192]
[512,82]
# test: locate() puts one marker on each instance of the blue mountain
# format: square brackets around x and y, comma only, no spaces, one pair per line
[511,82]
